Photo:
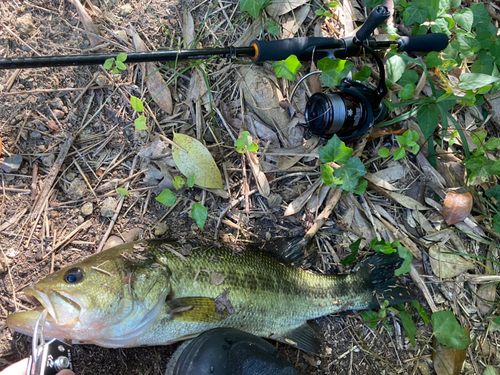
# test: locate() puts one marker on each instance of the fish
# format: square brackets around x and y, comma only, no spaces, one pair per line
[158,292]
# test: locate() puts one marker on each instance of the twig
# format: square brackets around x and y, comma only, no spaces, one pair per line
[69,237]
[10,276]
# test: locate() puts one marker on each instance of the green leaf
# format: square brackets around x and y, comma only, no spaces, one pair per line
[121,65]
[363,74]
[384,152]
[382,246]
[108,63]
[396,66]
[115,71]
[121,57]
[409,76]
[490,370]
[468,45]
[370,318]
[335,150]
[199,214]
[408,326]
[415,149]
[287,68]
[350,174]
[497,320]
[405,254]
[373,3]
[448,331]
[433,60]
[416,13]
[122,191]
[167,197]
[333,71]
[407,92]
[494,192]
[481,15]
[472,81]
[252,6]
[493,168]
[178,182]
[354,247]
[136,104]
[273,28]
[192,157]
[190,180]
[140,123]
[455,4]
[478,136]
[496,224]
[361,188]
[400,153]
[464,18]
[427,116]
[326,174]
[421,311]
[492,144]
[475,163]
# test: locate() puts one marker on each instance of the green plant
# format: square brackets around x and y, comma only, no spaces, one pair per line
[480,164]
[386,247]
[117,64]
[122,191]
[348,176]
[324,12]
[245,143]
[407,140]
[287,68]
[139,122]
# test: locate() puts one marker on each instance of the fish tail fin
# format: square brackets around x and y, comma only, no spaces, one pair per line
[379,270]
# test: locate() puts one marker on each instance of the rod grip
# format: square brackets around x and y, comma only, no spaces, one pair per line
[423,43]
[376,18]
[303,48]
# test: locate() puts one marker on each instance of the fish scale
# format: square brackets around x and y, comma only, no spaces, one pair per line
[147,293]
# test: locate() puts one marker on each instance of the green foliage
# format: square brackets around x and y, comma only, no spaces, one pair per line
[333,71]
[386,247]
[253,7]
[421,311]
[167,197]
[139,122]
[354,247]
[245,143]
[287,68]
[178,182]
[117,63]
[384,152]
[479,164]
[408,326]
[273,28]
[326,13]
[448,331]
[363,74]
[407,141]
[199,214]
[348,176]
[190,180]
[122,191]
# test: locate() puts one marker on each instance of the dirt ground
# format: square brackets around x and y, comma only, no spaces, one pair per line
[46,227]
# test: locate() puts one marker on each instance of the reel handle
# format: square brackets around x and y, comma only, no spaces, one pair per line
[376,18]
[423,43]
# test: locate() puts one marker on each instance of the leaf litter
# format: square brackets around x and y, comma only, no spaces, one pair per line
[376,211]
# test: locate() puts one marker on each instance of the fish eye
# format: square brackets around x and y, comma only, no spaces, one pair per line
[74,275]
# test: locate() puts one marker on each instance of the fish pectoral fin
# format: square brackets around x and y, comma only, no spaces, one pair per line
[303,338]
[195,309]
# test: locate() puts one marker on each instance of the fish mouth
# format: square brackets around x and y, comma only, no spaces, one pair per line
[61,309]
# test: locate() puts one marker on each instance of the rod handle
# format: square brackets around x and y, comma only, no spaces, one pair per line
[423,43]
[303,48]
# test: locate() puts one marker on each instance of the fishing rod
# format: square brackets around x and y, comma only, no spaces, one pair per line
[349,113]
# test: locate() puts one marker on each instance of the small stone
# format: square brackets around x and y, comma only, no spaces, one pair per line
[58,113]
[160,229]
[48,160]
[80,219]
[87,209]
[122,34]
[133,234]
[11,253]
[76,189]
[70,176]
[53,125]
[42,128]
[12,164]
[274,200]
[25,24]
[101,80]
[108,207]
[112,242]
[126,10]
[35,135]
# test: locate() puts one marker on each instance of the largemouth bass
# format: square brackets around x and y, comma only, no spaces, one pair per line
[148,293]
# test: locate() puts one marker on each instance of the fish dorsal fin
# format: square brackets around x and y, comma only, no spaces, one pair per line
[288,250]
[303,338]
[195,309]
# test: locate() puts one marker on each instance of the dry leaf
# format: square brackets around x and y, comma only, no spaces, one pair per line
[260,177]
[158,90]
[456,207]
[286,162]
[486,296]
[87,22]
[277,8]
[299,202]
[222,303]
[371,177]
[293,22]
[188,28]
[447,265]
[391,174]
[448,361]
[216,278]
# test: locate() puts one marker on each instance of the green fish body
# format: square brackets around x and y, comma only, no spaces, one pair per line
[148,293]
